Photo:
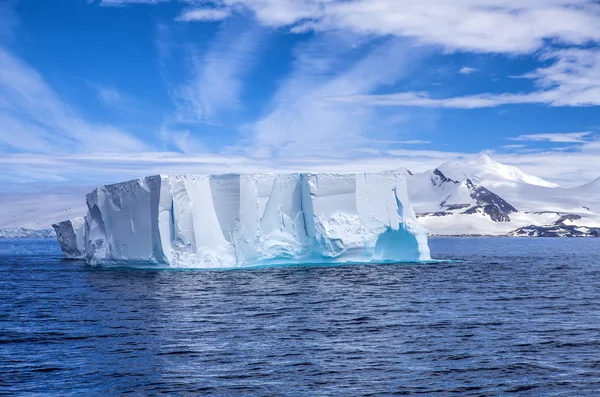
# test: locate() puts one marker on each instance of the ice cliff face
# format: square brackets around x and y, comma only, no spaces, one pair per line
[71,237]
[244,219]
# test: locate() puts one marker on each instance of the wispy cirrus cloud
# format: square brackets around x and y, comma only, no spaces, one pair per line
[572,79]
[301,119]
[204,14]
[121,3]
[504,26]
[467,70]
[109,95]
[34,118]
[307,124]
[568,137]
[218,72]
[182,140]
[501,26]
[414,142]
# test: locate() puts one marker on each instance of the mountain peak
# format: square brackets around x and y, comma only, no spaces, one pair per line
[490,172]
[485,159]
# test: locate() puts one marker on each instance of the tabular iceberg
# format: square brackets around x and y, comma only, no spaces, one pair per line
[235,220]
[71,236]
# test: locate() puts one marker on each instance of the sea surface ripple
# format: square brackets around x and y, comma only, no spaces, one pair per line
[504,316]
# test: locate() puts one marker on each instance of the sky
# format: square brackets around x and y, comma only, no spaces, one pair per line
[98,91]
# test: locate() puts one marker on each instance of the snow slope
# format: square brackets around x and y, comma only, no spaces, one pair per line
[243,219]
[592,187]
[437,195]
[39,210]
[536,202]
[20,232]
[491,174]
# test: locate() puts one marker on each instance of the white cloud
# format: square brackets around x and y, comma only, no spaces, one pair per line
[467,70]
[120,3]
[300,118]
[514,26]
[569,137]
[218,73]
[182,140]
[307,113]
[34,118]
[204,14]
[573,79]
[414,142]
[108,95]
[502,26]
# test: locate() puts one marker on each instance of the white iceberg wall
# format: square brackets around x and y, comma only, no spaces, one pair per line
[363,218]
[71,237]
[271,223]
[244,219]
[122,222]
[331,203]
[199,231]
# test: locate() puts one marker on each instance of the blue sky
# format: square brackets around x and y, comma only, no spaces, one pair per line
[103,90]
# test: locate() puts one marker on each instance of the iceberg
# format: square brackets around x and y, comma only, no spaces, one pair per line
[237,220]
[71,237]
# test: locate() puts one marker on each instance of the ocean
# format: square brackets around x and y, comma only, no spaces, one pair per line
[495,316]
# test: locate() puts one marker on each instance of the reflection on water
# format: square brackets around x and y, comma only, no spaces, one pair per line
[520,315]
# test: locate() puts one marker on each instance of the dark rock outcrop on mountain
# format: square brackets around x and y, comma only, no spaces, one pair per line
[486,201]
[495,206]
[442,178]
[456,207]
[483,197]
[556,231]
[567,217]
[560,228]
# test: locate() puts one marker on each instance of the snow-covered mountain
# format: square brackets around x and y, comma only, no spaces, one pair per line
[484,197]
[434,194]
[490,173]
[32,214]
[21,232]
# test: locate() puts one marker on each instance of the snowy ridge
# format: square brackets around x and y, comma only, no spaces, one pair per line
[435,194]
[592,187]
[565,226]
[504,200]
[38,211]
[489,173]
[21,232]
[243,219]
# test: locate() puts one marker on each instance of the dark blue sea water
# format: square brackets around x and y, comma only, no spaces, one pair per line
[506,316]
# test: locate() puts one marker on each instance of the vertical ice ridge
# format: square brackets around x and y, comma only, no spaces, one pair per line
[243,219]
